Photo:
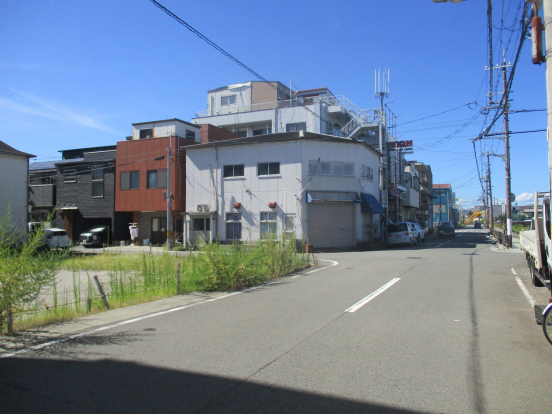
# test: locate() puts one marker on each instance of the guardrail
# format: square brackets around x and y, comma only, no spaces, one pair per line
[502,238]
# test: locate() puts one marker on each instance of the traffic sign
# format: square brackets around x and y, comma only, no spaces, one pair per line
[394,191]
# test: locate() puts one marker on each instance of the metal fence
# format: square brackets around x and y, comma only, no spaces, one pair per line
[502,238]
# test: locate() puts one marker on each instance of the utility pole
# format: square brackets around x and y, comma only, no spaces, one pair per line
[381,90]
[491,218]
[507,154]
[169,193]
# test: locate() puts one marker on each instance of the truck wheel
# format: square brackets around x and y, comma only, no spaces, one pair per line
[534,278]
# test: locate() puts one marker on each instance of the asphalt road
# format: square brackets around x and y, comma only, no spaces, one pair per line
[454,334]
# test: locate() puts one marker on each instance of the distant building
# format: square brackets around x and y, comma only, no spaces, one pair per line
[444,204]
[14,170]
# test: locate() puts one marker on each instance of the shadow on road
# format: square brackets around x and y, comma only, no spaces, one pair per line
[107,386]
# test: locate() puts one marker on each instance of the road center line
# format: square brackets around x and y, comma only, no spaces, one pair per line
[372,295]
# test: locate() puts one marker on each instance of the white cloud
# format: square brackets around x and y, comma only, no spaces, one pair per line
[37,106]
[468,201]
[525,198]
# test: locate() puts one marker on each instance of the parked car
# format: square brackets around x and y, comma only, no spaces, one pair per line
[420,232]
[95,236]
[401,233]
[55,238]
[477,225]
[446,229]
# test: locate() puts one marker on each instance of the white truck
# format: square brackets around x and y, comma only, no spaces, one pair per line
[537,243]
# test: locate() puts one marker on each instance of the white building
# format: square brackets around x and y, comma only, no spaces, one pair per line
[257,108]
[321,188]
[14,170]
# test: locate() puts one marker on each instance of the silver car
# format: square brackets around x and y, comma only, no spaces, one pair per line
[401,233]
[56,238]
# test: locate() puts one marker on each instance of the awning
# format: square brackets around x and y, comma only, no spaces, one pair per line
[370,204]
[68,206]
[332,197]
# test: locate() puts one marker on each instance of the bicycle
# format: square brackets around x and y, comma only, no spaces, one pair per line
[547,322]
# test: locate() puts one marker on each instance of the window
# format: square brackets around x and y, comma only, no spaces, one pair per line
[233,170]
[349,169]
[326,168]
[157,179]
[97,175]
[298,126]
[289,223]
[268,223]
[70,176]
[262,131]
[228,100]
[367,173]
[268,168]
[314,167]
[146,133]
[190,134]
[241,134]
[130,180]
[337,168]
[201,224]
[233,226]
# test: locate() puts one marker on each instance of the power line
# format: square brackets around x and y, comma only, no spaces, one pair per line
[440,113]
[224,52]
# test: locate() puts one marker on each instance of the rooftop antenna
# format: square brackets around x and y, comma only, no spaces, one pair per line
[381,84]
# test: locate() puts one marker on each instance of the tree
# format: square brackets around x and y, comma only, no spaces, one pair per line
[25,268]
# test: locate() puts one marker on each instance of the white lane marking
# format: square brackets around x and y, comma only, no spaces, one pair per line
[151,315]
[514,271]
[530,298]
[372,295]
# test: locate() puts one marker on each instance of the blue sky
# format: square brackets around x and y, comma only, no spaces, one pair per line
[78,74]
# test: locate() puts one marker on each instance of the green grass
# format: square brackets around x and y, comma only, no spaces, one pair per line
[135,279]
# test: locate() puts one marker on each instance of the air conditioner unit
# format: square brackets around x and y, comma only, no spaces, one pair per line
[203,208]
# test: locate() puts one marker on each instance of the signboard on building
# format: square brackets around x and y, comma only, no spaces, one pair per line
[400,144]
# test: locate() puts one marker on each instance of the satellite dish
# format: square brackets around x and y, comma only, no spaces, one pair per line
[406,176]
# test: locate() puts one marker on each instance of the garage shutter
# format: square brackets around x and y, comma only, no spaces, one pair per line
[331,225]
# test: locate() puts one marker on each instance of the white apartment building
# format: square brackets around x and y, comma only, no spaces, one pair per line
[320,188]
[257,108]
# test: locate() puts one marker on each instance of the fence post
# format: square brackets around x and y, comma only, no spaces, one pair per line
[178,279]
[102,294]
[88,305]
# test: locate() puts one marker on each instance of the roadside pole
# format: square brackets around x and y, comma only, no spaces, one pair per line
[491,218]
[507,156]
[169,193]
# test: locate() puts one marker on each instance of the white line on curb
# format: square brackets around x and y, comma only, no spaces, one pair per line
[372,295]
[152,315]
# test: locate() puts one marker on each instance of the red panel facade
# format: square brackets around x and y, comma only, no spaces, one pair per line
[138,155]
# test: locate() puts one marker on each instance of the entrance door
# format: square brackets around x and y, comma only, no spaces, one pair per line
[201,229]
[158,230]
